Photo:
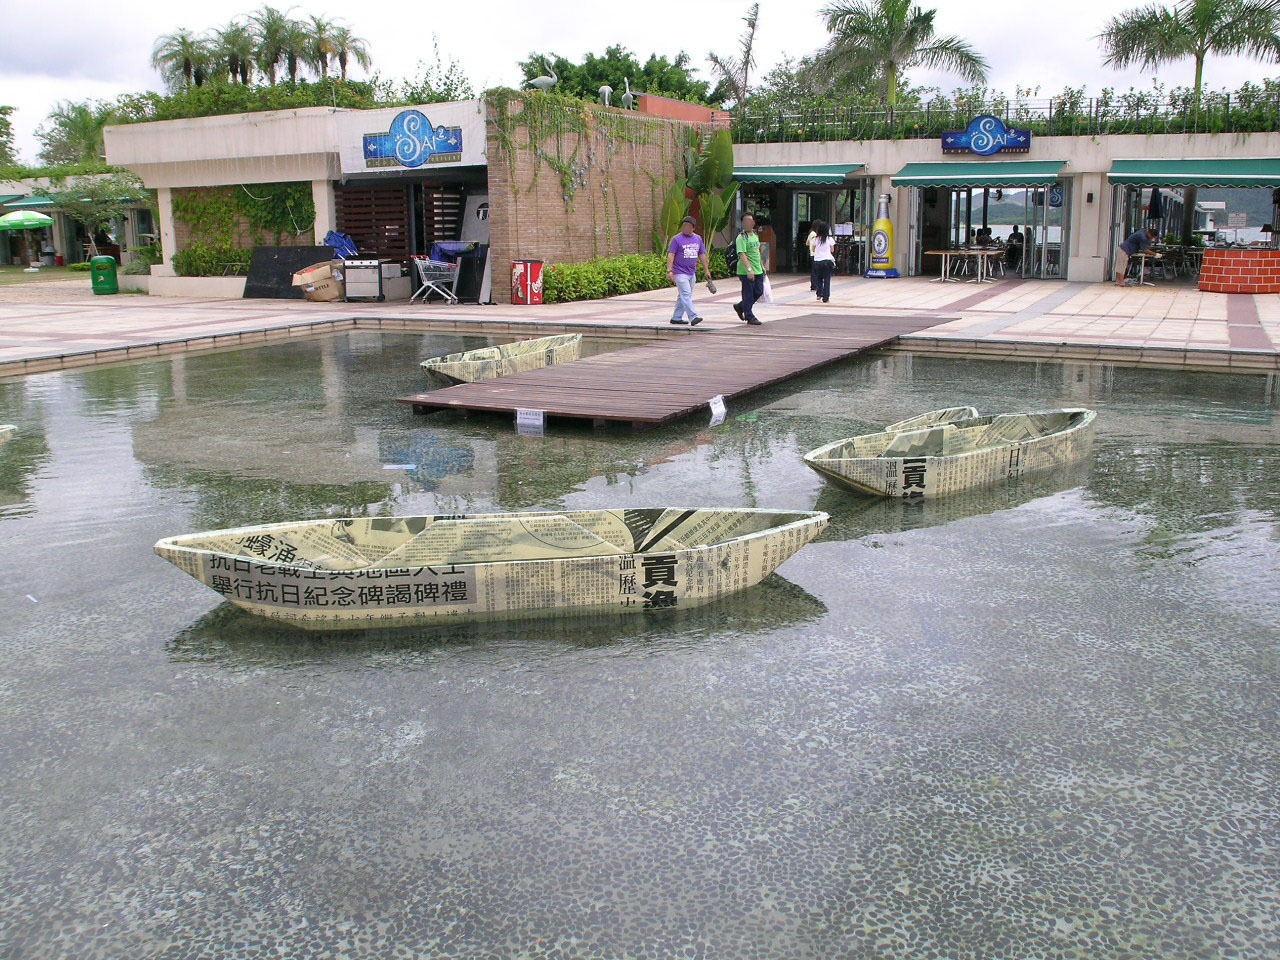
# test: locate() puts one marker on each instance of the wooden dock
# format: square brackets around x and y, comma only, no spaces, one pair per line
[656,383]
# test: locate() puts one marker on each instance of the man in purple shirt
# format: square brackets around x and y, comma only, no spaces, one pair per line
[683,253]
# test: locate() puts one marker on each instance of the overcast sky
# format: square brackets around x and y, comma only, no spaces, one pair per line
[80,50]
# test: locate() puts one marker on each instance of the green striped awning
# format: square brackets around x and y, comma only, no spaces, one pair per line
[6,197]
[814,174]
[980,173]
[30,203]
[1218,172]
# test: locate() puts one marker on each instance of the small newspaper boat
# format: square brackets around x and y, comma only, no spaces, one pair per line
[399,571]
[486,363]
[944,451]
[7,430]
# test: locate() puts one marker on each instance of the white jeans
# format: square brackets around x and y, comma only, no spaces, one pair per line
[684,296]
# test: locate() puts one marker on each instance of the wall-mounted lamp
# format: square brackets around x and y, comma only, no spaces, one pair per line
[1088,198]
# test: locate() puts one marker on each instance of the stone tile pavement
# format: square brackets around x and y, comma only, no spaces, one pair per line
[56,324]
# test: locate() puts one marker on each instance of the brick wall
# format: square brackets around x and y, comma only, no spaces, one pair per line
[617,187]
[1240,271]
[243,234]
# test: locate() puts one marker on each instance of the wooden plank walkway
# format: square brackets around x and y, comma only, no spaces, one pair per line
[658,382]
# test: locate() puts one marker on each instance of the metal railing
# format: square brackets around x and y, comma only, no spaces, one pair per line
[1054,117]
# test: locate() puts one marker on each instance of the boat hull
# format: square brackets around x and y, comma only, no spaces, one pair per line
[7,430]
[921,466]
[489,363]
[650,566]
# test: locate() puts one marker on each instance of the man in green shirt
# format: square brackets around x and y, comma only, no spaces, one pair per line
[750,270]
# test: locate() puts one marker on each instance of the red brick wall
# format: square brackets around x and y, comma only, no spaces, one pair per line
[1240,271]
[611,205]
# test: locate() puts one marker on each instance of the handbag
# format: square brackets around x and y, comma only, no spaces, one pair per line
[767,296]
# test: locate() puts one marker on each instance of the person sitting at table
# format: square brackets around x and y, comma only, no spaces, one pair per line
[1013,248]
[1137,242]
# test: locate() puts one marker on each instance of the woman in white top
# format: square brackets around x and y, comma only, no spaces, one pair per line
[824,258]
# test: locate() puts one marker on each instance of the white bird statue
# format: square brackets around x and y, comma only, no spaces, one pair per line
[628,98]
[605,93]
[545,83]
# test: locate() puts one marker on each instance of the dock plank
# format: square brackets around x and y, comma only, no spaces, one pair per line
[657,382]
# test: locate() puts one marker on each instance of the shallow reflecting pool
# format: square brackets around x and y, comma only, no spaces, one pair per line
[1039,721]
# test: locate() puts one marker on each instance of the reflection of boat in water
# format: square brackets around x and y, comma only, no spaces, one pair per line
[486,363]
[231,636]
[7,430]
[945,451]
[397,571]
[855,517]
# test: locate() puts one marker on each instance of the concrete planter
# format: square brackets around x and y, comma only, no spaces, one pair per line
[203,287]
[134,283]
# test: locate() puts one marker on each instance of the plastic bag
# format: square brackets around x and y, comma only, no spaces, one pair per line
[767,296]
[711,286]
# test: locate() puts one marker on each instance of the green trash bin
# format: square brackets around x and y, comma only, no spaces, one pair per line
[102,275]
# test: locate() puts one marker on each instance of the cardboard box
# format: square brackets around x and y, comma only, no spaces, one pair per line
[397,288]
[330,288]
[319,271]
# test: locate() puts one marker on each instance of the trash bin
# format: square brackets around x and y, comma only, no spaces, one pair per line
[102,275]
[526,281]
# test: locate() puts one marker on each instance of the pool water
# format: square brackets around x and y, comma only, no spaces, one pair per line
[1036,721]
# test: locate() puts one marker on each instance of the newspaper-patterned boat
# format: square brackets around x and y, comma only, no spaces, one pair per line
[400,571]
[486,363]
[7,430]
[944,451]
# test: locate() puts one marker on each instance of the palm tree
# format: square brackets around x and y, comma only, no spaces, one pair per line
[182,58]
[234,48]
[270,28]
[72,133]
[1156,34]
[735,72]
[295,44]
[346,47]
[889,37]
[320,45]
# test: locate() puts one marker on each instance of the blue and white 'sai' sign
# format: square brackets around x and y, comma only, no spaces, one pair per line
[986,135]
[411,142]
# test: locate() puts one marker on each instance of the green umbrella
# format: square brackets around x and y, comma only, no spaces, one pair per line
[24,220]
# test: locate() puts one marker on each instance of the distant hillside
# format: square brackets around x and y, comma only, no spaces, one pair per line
[1255,202]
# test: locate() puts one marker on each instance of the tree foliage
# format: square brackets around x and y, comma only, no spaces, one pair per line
[96,201]
[888,38]
[8,155]
[734,73]
[658,75]
[72,133]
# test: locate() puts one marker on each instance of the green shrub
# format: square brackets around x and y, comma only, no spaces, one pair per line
[612,276]
[135,268]
[80,267]
[211,260]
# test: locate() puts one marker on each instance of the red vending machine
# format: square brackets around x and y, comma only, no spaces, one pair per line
[526,281]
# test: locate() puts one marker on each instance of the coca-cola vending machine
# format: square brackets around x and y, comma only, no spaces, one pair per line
[526,281]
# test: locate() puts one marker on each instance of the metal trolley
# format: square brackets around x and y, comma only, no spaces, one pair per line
[435,276]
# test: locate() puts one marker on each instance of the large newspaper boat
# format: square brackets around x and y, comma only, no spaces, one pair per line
[486,363]
[400,571]
[944,451]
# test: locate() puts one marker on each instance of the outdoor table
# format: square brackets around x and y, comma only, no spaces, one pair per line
[946,256]
[1142,267]
[982,273]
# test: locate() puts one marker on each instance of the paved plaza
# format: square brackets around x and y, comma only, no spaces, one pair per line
[55,324]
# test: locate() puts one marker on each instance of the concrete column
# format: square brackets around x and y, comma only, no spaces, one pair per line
[168,235]
[1089,227]
[326,208]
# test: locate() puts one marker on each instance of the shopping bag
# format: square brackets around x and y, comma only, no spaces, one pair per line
[767,296]
[711,286]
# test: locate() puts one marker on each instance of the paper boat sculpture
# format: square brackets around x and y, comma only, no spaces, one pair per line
[944,451]
[399,571]
[7,430]
[487,363]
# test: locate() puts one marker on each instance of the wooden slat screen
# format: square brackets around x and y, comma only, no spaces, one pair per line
[376,217]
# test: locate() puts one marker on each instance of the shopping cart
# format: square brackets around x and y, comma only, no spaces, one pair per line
[435,276]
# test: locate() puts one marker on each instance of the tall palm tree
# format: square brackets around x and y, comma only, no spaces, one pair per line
[347,47]
[182,58]
[889,37]
[234,48]
[735,72]
[270,28]
[320,45]
[1157,34]
[72,133]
